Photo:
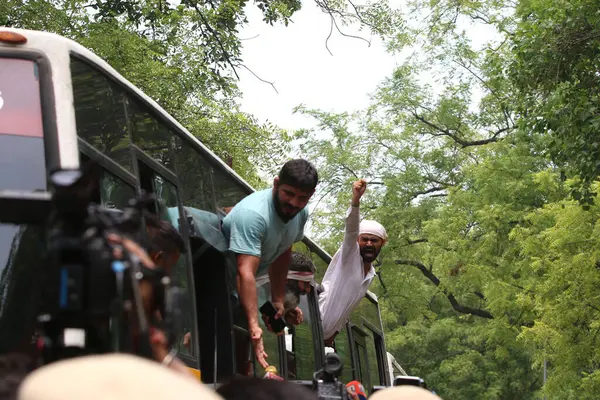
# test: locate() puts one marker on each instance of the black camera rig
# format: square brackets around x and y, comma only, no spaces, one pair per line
[91,302]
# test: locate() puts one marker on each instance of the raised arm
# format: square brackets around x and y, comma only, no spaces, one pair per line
[353,214]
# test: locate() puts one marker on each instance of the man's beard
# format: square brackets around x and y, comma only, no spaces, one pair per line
[279,208]
[369,253]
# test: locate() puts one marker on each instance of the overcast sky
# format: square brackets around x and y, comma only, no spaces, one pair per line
[296,60]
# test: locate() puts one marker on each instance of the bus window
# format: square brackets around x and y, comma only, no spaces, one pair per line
[195,176]
[152,137]
[227,192]
[114,192]
[361,371]
[299,345]
[166,193]
[100,113]
[372,359]
[342,349]
[20,104]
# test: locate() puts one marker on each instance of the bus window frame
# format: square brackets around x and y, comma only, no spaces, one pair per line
[380,344]
[139,157]
[47,100]
[317,328]
[175,128]
[107,163]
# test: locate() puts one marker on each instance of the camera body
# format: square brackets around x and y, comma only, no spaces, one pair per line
[325,381]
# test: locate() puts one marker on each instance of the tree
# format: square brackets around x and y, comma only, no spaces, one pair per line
[555,69]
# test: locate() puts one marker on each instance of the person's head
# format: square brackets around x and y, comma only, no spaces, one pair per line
[371,238]
[111,376]
[264,389]
[166,244]
[293,188]
[301,264]
[404,392]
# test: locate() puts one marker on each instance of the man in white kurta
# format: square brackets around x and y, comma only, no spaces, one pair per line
[350,272]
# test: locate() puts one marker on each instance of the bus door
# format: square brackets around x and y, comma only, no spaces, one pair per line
[26,128]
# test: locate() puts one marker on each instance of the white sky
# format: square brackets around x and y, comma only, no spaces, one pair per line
[296,60]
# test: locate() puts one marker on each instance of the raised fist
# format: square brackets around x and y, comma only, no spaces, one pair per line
[358,188]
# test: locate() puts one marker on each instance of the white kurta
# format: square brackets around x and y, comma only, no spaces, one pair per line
[345,283]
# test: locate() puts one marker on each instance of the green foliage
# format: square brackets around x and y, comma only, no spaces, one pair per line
[492,266]
[555,66]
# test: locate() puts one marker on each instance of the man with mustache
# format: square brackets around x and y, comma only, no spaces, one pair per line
[261,230]
[350,272]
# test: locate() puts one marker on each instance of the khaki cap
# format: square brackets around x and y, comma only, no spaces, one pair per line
[110,377]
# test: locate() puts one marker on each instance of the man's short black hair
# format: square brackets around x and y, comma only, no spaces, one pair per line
[163,236]
[264,389]
[300,174]
[301,263]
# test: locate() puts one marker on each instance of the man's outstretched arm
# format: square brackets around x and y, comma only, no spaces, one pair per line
[246,283]
[278,271]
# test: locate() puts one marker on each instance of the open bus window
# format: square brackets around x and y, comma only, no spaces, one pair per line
[299,346]
[166,194]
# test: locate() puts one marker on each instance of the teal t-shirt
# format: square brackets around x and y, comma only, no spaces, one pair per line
[253,227]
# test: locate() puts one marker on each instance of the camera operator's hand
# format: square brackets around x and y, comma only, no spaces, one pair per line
[259,348]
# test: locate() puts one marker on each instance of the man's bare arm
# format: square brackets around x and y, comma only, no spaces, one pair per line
[278,271]
[246,282]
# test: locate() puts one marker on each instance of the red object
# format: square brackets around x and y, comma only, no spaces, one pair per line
[356,391]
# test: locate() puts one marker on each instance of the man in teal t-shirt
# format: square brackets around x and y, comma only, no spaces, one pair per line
[261,230]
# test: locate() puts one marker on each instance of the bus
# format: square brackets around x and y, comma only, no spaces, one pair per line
[61,105]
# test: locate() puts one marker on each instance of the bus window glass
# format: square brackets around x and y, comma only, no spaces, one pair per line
[20,104]
[362,369]
[300,346]
[195,176]
[114,192]
[20,282]
[343,351]
[227,191]
[366,310]
[372,358]
[150,135]
[166,193]
[100,113]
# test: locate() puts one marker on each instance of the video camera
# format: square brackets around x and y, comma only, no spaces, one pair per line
[91,302]
[325,381]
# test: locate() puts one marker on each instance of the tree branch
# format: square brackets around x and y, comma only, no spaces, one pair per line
[453,302]
[464,143]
